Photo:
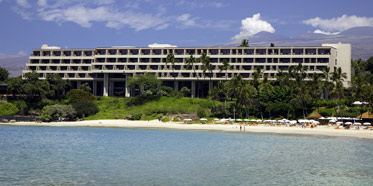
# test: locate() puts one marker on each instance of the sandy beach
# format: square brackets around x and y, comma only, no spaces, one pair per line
[320,130]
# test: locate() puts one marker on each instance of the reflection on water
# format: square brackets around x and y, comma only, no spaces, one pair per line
[105,156]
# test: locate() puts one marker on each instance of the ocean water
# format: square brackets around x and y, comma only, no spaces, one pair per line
[115,156]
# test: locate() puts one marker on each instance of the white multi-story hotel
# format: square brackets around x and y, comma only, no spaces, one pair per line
[107,69]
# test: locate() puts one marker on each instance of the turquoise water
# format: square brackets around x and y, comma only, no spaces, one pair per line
[114,156]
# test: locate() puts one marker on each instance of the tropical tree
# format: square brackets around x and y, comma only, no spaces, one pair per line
[256,77]
[190,63]
[298,73]
[225,66]
[57,85]
[244,43]
[244,93]
[326,85]
[3,74]
[265,89]
[145,81]
[16,86]
[359,82]
[315,89]
[171,59]
[337,78]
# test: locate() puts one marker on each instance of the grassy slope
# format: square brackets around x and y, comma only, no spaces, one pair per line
[116,108]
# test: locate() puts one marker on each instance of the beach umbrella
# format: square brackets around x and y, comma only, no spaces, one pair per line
[322,118]
[188,119]
[339,123]
[293,122]
[216,119]
[203,119]
[357,103]
[348,123]
[357,123]
[238,119]
[366,124]
[246,120]
[314,115]
[332,121]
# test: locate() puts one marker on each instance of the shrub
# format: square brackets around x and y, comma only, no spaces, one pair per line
[85,108]
[326,112]
[201,113]
[77,95]
[176,119]
[185,91]
[136,117]
[166,119]
[8,109]
[54,112]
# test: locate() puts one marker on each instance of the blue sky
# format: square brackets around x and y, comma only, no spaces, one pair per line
[27,24]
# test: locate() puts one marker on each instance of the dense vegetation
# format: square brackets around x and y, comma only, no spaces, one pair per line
[289,96]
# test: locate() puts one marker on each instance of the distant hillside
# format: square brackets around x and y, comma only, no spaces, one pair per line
[14,64]
[361,39]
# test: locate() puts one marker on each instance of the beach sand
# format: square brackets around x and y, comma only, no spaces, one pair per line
[320,130]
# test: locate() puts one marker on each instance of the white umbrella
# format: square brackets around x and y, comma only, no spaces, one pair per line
[293,122]
[366,124]
[246,120]
[238,119]
[339,123]
[357,103]
[357,123]
[258,120]
[348,123]
[332,121]
[187,119]
[203,119]
[322,118]
[216,119]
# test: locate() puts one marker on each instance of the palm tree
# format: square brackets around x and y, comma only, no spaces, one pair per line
[244,43]
[225,66]
[244,93]
[315,88]
[171,59]
[266,88]
[298,73]
[327,86]
[256,76]
[359,82]
[190,63]
[338,91]
[206,64]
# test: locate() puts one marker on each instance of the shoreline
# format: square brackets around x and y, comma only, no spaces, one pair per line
[155,124]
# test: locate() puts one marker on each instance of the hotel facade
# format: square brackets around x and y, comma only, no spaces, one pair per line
[108,69]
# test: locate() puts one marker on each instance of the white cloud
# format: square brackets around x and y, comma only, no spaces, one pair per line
[252,25]
[186,20]
[340,23]
[113,18]
[42,3]
[325,33]
[23,3]
[87,12]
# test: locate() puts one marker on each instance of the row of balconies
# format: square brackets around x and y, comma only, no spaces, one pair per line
[184,68]
[61,61]
[63,53]
[176,75]
[239,51]
[261,51]
[215,60]
[58,68]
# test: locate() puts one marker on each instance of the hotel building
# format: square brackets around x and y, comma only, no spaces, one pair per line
[107,69]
